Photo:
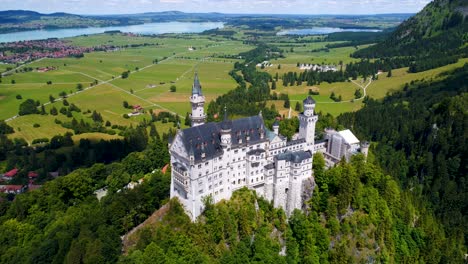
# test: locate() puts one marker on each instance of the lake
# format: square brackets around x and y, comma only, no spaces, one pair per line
[147,29]
[322,31]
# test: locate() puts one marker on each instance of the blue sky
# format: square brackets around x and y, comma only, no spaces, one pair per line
[224,6]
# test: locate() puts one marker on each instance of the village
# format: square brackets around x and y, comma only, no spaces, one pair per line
[25,51]
[8,176]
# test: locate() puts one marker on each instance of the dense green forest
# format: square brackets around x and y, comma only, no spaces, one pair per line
[357,215]
[428,155]
[64,222]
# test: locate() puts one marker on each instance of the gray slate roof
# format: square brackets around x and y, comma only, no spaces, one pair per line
[256,152]
[206,138]
[309,100]
[296,157]
[196,88]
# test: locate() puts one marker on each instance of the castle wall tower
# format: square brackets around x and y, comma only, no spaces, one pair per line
[225,132]
[197,100]
[365,148]
[276,127]
[307,123]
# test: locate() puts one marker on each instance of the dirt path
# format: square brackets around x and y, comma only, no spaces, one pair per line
[101,82]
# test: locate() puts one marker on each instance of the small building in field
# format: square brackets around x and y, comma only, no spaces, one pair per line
[137,109]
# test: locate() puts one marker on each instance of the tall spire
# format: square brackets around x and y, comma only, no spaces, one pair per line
[197,101]
[196,88]
[226,124]
[225,114]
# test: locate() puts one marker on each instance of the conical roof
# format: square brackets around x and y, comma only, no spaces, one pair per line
[196,88]
[309,100]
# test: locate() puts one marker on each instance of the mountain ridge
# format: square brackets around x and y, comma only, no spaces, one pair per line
[440,28]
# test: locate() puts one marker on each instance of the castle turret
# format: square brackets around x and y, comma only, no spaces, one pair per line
[276,127]
[307,123]
[365,148]
[226,127]
[197,100]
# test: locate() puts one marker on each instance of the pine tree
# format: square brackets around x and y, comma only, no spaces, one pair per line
[153,132]
[273,85]
[298,107]
[287,104]
[187,119]
[43,111]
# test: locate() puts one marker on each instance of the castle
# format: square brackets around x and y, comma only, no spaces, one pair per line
[216,159]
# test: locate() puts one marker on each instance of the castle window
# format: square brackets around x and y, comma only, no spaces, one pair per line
[199,166]
[233,182]
[209,187]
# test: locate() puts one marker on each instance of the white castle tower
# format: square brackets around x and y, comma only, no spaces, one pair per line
[226,131]
[365,148]
[307,123]
[197,100]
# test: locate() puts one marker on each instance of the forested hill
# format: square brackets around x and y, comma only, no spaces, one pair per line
[440,28]
[423,143]
[357,215]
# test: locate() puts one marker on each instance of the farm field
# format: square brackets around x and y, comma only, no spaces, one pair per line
[148,84]
[160,63]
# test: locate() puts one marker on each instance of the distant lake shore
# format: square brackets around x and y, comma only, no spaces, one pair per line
[322,31]
[145,29]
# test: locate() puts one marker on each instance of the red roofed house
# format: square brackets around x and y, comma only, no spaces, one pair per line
[13,189]
[32,175]
[9,175]
[137,109]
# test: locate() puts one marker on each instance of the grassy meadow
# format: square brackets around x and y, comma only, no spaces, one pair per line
[149,84]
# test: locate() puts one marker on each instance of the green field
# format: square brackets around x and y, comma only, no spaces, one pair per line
[149,84]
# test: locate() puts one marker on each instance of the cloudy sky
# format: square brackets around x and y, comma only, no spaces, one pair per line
[224,6]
